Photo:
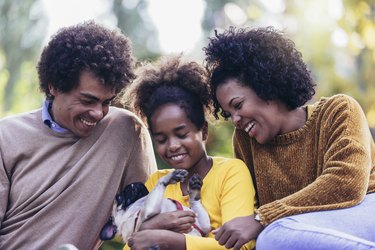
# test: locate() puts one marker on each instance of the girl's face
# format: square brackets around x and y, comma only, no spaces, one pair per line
[177,140]
[260,119]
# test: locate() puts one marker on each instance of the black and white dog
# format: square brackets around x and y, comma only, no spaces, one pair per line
[134,205]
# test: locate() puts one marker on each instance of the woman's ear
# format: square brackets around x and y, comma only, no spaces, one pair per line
[205,131]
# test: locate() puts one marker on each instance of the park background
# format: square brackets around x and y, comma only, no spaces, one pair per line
[336,38]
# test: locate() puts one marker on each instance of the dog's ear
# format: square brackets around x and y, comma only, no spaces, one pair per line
[109,230]
[132,193]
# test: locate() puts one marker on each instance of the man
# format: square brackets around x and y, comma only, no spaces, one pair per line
[62,165]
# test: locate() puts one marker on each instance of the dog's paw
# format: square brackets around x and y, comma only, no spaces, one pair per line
[175,176]
[195,185]
[195,182]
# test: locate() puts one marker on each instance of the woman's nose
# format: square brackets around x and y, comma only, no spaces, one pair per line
[236,120]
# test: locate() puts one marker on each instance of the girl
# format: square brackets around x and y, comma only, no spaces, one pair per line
[173,97]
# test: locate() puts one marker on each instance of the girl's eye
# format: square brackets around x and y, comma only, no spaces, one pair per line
[160,140]
[182,136]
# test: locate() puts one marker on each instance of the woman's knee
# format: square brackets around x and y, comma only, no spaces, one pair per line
[287,233]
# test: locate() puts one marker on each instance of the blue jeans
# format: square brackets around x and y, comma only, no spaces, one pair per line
[349,228]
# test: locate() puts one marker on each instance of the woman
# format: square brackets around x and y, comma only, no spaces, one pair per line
[313,166]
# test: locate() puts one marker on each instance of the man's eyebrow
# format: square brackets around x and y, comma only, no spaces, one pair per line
[90,96]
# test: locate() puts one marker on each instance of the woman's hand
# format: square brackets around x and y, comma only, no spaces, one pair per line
[177,221]
[156,239]
[238,231]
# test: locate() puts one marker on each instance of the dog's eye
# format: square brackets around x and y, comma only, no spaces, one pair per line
[119,199]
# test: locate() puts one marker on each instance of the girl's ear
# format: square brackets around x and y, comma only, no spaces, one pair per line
[205,131]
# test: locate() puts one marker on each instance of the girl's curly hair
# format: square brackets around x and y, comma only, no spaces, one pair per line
[263,59]
[87,46]
[170,80]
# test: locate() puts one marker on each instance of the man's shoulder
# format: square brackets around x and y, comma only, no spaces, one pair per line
[15,119]
[122,115]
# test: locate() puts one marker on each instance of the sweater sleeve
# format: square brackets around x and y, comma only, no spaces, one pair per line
[4,190]
[142,162]
[235,192]
[346,152]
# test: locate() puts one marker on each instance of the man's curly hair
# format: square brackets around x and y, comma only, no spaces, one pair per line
[263,59]
[170,80]
[87,46]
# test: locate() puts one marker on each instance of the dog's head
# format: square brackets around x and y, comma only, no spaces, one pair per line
[130,194]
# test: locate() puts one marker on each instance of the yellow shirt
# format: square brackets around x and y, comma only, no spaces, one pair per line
[227,192]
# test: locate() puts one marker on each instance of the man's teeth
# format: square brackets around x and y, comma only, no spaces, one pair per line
[177,157]
[87,122]
[249,127]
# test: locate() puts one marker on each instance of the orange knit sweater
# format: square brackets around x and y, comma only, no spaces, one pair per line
[329,163]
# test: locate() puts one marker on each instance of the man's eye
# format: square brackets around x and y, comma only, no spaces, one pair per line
[87,102]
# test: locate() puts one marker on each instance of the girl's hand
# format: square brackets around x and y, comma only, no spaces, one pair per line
[238,231]
[177,221]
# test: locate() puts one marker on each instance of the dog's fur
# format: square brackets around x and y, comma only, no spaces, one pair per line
[128,216]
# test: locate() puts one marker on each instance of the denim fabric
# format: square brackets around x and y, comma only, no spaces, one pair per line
[350,228]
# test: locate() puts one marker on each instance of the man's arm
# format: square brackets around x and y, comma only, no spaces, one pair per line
[4,190]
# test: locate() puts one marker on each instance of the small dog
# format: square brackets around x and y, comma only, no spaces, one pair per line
[135,205]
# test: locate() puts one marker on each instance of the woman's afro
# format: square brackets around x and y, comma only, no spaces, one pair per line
[263,59]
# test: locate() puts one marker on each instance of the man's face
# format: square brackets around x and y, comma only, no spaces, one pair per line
[80,109]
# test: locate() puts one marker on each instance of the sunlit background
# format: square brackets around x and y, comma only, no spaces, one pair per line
[336,38]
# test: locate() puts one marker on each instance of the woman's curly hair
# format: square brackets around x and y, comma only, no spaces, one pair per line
[170,80]
[263,59]
[87,46]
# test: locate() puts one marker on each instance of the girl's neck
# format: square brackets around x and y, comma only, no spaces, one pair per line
[202,168]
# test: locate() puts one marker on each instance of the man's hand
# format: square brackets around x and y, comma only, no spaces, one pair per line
[177,221]
[238,231]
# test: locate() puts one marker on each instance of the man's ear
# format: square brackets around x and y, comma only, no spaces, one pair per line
[205,131]
[52,90]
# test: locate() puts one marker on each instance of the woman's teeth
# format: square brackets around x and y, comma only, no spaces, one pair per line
[249,126]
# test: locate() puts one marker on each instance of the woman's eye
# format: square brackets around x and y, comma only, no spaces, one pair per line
[225,114]
[237,105]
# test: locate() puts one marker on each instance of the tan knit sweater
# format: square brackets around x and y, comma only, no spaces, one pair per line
[328,163]
[57,188]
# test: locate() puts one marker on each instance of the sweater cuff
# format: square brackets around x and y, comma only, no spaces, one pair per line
[271,212]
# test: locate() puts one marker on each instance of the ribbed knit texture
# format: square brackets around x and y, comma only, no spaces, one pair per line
[57,188]
[329,163]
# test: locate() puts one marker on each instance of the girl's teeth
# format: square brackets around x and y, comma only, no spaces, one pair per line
[176,157]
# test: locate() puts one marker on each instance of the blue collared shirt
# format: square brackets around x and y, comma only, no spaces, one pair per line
[47,119]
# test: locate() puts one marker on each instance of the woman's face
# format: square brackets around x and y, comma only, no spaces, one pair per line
[261,120]
[177,140]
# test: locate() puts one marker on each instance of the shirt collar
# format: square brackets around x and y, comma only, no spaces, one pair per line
[47,119]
